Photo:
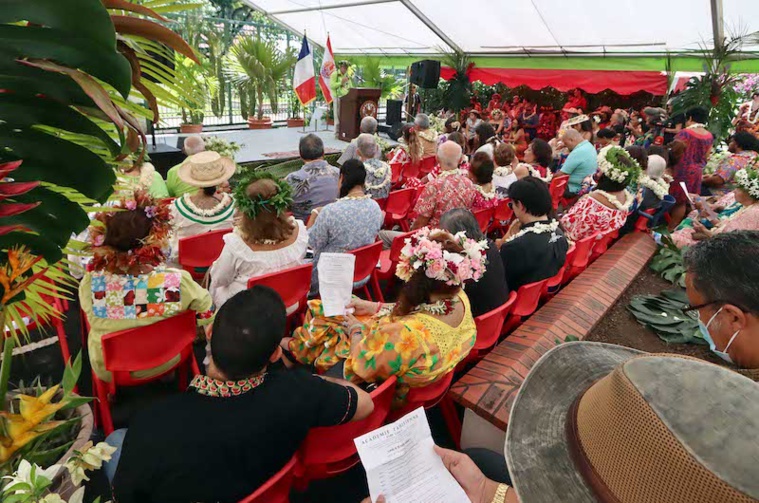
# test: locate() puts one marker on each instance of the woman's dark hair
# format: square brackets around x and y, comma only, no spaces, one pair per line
[209,191]
[458,137]
[542,151]
[461,219]
[419,287]
[659,150]
[246,332]
[607,184]
[697,114]
[448,124]
[127,229]
[639,154]
[485,132]
[482,168]
[354,174]
[586,126]
[533,193]
[267,224]
[746,141]
[606,134]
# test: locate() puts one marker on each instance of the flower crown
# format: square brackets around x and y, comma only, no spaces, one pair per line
[617,164]
[748,179]
[250,207]
[151,249]
[421,253]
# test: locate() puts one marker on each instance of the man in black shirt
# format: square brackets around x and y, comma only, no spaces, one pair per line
[535,247]
[237,426]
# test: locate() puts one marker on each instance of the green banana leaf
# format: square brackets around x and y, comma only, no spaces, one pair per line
[664,315]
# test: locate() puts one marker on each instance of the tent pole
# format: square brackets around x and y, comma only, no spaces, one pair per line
[718,22]
[432,26]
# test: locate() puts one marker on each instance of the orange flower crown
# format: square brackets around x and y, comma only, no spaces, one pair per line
[151,250]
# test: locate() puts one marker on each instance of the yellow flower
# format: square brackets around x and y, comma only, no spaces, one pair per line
[407,345]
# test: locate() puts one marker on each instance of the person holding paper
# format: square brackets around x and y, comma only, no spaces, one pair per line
[237,425]
[351,222]
[420,338]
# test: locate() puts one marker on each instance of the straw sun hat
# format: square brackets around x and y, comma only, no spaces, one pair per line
[598,422]
[206,169]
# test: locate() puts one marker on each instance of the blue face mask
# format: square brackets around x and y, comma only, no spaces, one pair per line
[708,338]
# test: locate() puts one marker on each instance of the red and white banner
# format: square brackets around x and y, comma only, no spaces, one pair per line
[328,66]
[304,80]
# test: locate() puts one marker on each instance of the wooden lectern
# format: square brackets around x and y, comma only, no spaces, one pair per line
[354,106]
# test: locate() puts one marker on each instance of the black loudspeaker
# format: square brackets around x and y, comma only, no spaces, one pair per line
[393,115]
[425,73]
[396,131]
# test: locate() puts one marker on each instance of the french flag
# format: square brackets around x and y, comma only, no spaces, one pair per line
[304,79]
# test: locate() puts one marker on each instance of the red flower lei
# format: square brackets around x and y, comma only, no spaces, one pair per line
[107,258]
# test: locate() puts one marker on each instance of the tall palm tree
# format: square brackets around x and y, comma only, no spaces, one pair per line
[258,68]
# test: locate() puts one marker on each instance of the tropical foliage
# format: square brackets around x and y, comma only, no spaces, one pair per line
[457,94]
[257,68]
[668,263]
[664,315]
[373,75]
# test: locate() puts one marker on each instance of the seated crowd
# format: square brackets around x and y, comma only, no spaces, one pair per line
[452,268]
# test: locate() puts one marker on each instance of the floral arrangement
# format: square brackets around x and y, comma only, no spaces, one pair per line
[437,123]
[659,187]
[715,160]
[748,179]
[31,483]
[748,85]
[280,202]
[152,249]
[615,163]
[222,147]
[422,253]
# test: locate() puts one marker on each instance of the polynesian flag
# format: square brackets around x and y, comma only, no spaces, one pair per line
[304,80]
[328,66]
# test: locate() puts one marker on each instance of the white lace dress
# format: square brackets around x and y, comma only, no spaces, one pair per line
[238,263]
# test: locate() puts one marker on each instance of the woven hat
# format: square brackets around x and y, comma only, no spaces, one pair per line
[577,120]
[475,112]
[206,169]
[598,422]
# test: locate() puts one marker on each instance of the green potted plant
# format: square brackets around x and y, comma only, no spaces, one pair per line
[198,83]
[295,119]
[257,68]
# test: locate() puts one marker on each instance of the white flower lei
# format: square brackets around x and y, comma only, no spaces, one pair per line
[696,125]
[503,171]
[225,201]
[486,195]
[536,174]
[538,228]
[750,185]
[450,172]
[610,170]
[629,199]
[659,187]
[382,173]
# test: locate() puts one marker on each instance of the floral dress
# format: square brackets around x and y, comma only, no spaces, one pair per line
[690,168]
[744,219]
[590,216]
[418,348]
[378,177]
[485,198]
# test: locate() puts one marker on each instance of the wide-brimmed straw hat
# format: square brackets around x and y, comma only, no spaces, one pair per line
[577,120]
[475,112]
[206,169]
[598,422]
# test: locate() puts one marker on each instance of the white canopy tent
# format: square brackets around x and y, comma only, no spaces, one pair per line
[516,27]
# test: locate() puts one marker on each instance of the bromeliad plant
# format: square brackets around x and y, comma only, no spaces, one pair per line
[665,316]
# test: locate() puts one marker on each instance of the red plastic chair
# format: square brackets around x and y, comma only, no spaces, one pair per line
[429,396]
[382,203]
[328,451]
[388,261]
[483,218]
[411,170]
[557,188]
[55,321]
[427,165]
[641,225]
[366,263]
[603,243]
[502,217]
[198,253]
[489,326]
[581,259]
[397,209]
[144,348]
[292,285]
[396,173]
[277,488]
[553,285]
[528,298]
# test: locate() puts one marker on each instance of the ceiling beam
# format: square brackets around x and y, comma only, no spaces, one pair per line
[718,22]
[329,7]
[432,26]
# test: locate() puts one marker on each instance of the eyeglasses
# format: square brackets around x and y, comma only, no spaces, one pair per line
[718,301]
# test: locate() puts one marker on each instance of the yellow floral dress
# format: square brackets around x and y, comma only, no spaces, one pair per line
[418,348]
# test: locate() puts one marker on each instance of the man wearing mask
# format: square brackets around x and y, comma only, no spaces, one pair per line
[721,283]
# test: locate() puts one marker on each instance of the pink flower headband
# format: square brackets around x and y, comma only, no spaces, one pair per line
[422,253]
